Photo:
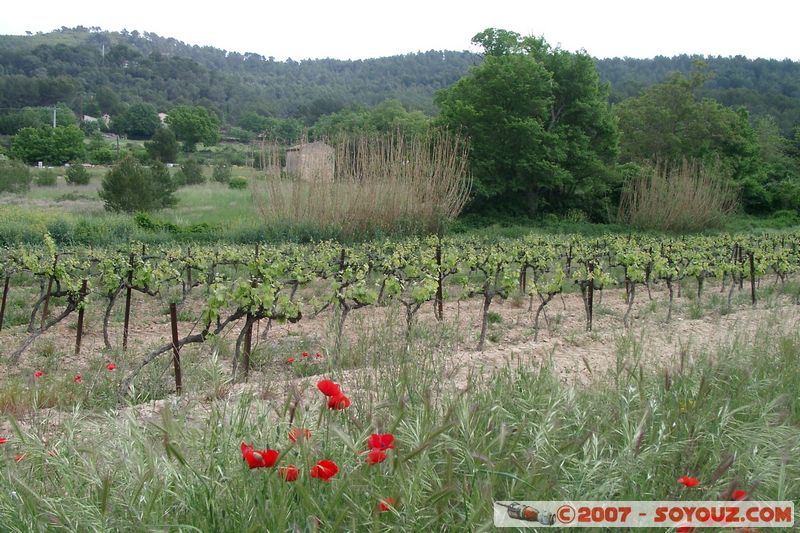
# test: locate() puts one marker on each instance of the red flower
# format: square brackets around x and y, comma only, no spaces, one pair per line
[689,481]
[305,354]
[739,495]
[19,457]
[324,470]
[258,458]
[299,433]
[317,355]
[77,378]
[111,366]
[685,529]
[329,388]
[3,440]
[376,456]
[38,374]
[289,473]
[387,504]
[381,442]
[339,402]
[290,360]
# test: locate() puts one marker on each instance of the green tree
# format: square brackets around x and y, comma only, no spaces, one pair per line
[542,135]
[139,121]
[77,175]
[194,124]
[191,173]
[390,116]
[131,186]
[52,146]
[163,146]
[14,176]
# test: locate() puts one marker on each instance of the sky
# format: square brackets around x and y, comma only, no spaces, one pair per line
[357,29]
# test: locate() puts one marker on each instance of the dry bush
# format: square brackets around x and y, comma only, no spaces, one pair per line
[381,185]
[686,196]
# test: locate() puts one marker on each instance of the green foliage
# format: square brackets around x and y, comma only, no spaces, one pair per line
[191,173]
[283,130]
[52,146]
[131,186]
[542,136]
[194,124]
[100,152]
[238,182]
[77,175]
[14,176]
[387,117]
[139,121]
[11,121]
[222,173]
[45,178]
[163,146]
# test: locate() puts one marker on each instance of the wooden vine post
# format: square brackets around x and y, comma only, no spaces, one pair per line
[439,304]
[79,333]
[590,296]
[49,290]
[176,355]
[3,305]
[752,278]
[126,323]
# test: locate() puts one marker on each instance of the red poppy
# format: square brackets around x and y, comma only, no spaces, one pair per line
[317,355]
[111,366]
[299,433]
[77,378]
[3,440]
[387,504]
[38,374]
[290,360]
[324,470]
[305,354]
[19,457]
[329,388]
[289,473]
[376,456]
[381,442]
[739,495]
[258,458]
[339,402]
[689,481]
[685,529]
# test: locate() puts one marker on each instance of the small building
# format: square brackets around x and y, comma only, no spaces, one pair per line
[310,161]
[163,118]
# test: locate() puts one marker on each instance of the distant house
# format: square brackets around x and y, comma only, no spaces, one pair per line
[163,118]
[105,119]
[310,161]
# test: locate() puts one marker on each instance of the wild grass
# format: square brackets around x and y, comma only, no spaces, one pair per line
[686,196]
[731,419]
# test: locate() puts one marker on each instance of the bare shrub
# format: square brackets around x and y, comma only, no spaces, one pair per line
[686,196]
[381,184]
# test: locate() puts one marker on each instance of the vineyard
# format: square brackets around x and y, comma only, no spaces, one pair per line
[234,288]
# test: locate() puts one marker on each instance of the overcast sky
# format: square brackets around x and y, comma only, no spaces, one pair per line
[355,29]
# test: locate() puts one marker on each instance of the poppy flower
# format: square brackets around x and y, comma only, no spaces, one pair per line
[387,504]
[290,360]
[317,355]
[38,374]
[77,378]
[19,457]
[324,470]
[376,456]
[329,388]
[689,481]
[258,458]
[305,354]
[3,440]
[289,473]
[685,529]
[381,442]
[299,433]
[111,366]
[739,495]
[339,402]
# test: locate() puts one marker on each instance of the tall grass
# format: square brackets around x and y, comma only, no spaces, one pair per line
[382,185]
[731,420]
[686,196]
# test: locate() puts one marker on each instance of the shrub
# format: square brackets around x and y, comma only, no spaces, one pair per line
[131,186]
[14,176]
[238,183]
[222,173]
[77,175]
[101,153]
[677,197]
[191,173]
[46,178]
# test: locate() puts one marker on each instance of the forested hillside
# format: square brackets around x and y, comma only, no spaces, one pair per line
[104,71]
